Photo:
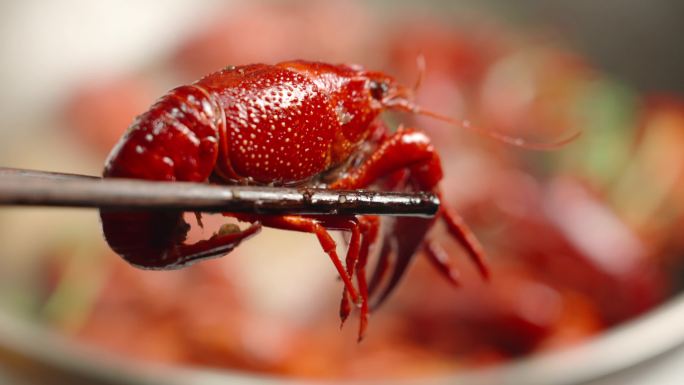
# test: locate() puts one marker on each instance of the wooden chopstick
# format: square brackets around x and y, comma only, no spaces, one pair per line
[20,187]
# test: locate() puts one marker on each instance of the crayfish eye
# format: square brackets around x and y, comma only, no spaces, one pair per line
[378,90]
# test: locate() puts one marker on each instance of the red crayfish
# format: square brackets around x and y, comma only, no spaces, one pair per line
[295,123]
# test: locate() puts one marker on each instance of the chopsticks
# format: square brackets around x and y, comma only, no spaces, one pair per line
[20,187]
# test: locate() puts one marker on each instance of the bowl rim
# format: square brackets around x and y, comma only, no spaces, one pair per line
[646,337]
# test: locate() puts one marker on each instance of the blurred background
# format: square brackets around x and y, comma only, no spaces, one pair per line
[584,242]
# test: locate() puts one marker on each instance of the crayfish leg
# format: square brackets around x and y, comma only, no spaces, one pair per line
[217,245]
[364,232]
[351,261]
[370,226]
[465,237]
[309,225]
[198,218]
[440,260]
[351,225]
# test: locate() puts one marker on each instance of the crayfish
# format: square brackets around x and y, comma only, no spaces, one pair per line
[294,123]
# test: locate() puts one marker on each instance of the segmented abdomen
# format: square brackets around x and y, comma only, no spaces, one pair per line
[176,140]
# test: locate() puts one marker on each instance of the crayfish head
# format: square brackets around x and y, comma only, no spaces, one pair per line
[385,92]
[390,94]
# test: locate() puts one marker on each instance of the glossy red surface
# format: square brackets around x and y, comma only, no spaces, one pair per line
[283,124]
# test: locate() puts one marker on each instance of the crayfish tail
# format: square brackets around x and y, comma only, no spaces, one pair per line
[155,240]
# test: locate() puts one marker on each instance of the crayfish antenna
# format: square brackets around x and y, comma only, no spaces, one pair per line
[408,106]
[511,140]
